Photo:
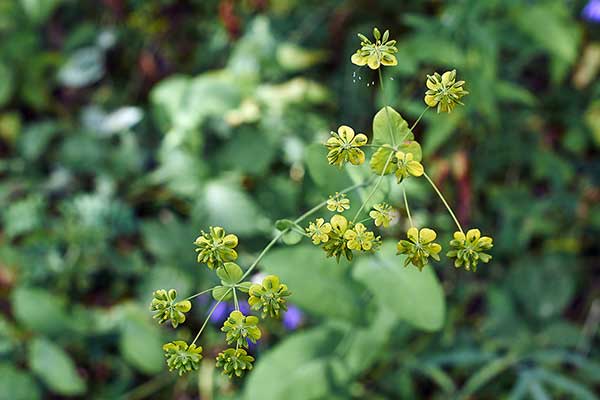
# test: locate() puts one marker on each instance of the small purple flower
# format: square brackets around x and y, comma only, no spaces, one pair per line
[292,318]
[591,11]
[223,310]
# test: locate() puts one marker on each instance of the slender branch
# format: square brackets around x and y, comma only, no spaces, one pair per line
[444,201]
[364,203]
[210,315]
[407,208]
[418,119]
[200,293]
[235,300]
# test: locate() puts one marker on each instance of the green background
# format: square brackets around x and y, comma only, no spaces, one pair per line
[127,126]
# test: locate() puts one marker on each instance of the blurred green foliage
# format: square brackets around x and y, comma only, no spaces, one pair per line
[126,126]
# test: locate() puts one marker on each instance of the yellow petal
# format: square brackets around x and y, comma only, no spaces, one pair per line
[389,60]
[459,236]
[373,61]
[412,234]
[473,234]
[339,223]
[359,60]
[430,101]
[356,156]
[346,133]
[427,235]
[415,168]
[360,140]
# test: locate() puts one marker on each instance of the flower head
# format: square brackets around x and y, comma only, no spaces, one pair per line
[234,362]
[167,309]
[444,91]
[216,248]
[269,296]
[407,166]
[343,146]
[374,54]
[319,231]
[381,214]
[238,328]
[469,249]
[419,247]
[337,245]
[358,238]
[181,357]
[338,202]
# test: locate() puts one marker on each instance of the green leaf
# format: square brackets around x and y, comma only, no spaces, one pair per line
[219,291]
[412,295]
[390,128]
[230,273]
[283,224]
[328,177]
[17,384]
[6,83]
[380,158]
[39,310]
[55,368]
[317,283]
[292,237]
[295,369]
[140,342]
[413,147]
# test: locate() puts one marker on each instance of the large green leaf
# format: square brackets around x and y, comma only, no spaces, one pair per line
[412,295]
[390,128]
[297,368]
[317,283]
[55,368]
[17,385]
[39,310]
[140,342]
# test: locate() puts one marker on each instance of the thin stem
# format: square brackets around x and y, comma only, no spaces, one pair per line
[200,293]
[364,203]
[387,116]
[418,119]
[210,315]
[444,201]
[407,208]
[297,220]
[235,300]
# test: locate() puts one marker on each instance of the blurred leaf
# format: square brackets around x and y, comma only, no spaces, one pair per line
[412,295]
[40,310]
[17,384]
[84,67]
[55,368]
[326,176]
[6,83]
[39,10]
[23,216]
[295,58]
[140,341]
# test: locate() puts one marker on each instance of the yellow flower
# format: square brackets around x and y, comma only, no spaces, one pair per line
[407,166]
[381,214]
[338,203]
[419,247]
[381,52]
[344,146]
[444,91]
[359,238]
[319,231]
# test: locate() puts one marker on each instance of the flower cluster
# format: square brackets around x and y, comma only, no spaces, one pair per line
[374,54]
[419,247]
[338,202]
[469,249]
[382,214]
[167,309]
[216,249]
[344,146]
[444,91]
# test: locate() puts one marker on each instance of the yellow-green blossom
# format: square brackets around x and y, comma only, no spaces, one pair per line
[181,357]
[338,203]
[444,91]
[234,362]
[381,214]
[407,166]
[238,328]
[215,248]
[469,249]
[269,297]
[358,238]
[319,231]
[419,247]
[344,146]
[336,246]
[167,309]
[374,54]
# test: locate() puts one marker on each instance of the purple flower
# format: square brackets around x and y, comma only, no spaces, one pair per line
[591,11]
[292,318]
[223,310]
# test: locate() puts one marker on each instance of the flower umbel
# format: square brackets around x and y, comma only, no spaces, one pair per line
[215,247]
[344,146]
[374,54]
[238,328]
[381,214]
[338,202]
[234,362]
[469,249]
[358,238]
[407,166]
[444,91]
[167,309]
[419,247]
[269,296]
[319,231]
[337,245]
[181,357]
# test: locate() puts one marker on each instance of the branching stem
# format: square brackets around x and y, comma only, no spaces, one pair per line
[433,185]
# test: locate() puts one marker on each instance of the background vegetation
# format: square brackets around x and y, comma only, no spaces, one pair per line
[126,126]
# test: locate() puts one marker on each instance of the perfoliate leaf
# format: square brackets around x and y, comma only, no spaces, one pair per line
[390,128]
[230,273]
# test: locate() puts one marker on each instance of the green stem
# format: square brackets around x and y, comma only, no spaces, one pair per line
[235,300]
[210,315]
[407,209]
[296,221]
[444,201]
[200,293]
[364,203]
[387,116]
[418,119]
